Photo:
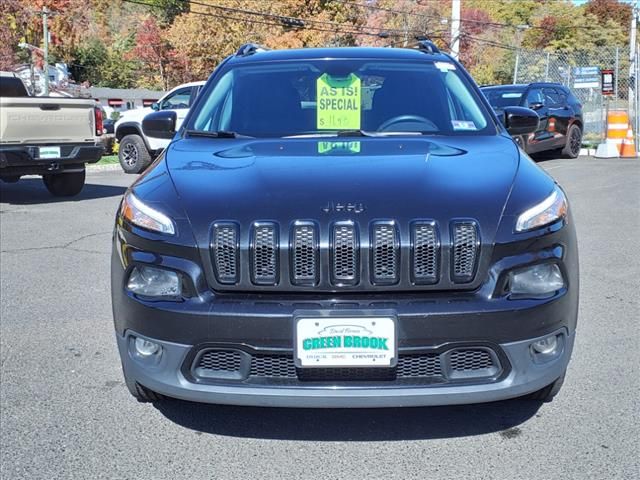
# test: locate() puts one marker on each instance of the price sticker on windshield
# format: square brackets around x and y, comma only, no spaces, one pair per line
[338,103]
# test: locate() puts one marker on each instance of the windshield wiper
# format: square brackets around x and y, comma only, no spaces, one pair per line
[355,133]
[218,134]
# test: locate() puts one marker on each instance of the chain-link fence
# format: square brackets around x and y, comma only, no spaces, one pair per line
[581,72]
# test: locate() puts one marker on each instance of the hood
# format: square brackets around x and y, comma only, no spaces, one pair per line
[135,115]
[329,179]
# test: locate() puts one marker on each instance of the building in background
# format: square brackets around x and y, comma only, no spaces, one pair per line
[122,99]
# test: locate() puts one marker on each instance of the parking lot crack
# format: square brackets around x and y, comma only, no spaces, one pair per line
[68,245]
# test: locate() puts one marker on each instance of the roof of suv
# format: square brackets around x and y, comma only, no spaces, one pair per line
[339,52]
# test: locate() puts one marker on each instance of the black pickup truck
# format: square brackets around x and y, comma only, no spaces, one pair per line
[344,227]
[48,136]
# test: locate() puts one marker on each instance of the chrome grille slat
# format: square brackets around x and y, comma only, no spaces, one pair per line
[225,250]
[385,253]
[304,254]
[345,254]
[264,254]
[466,243]
[425,254]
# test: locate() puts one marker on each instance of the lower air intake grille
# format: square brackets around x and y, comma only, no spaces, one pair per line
[272,366]
[221,360]
[455,364]
[466,243]
[472,359]
[224,247]
[304,254]
[426,253]
[385,253]
[264,254]
[425,365]
[345,253]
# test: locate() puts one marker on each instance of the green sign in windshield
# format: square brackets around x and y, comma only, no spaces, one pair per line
[338,103]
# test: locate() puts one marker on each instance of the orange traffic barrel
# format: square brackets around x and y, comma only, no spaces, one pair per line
[628,147]
[617,126]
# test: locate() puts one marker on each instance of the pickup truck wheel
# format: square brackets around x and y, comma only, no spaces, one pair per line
[133,154]
[547,393]
[64,184]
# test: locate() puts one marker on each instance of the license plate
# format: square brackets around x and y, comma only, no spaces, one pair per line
[345,342]
[49,152]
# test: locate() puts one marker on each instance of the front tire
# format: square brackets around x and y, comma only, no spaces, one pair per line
[65,184]
[144,395]
[133,154]
[547,393]
[574,142]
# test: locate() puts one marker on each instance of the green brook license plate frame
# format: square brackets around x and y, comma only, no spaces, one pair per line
[345,339]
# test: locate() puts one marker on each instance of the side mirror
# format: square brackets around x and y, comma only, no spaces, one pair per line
[520,120]
[155,106]
[160,124]
[536,106]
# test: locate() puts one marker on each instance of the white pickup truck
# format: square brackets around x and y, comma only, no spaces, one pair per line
[47,136]
[136,151]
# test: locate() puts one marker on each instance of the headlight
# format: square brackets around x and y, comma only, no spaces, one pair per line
[154,282]
[537,280]
[548,211]
[143,216]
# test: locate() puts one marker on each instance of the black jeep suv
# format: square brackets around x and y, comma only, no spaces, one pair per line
[347,227]
[560,112]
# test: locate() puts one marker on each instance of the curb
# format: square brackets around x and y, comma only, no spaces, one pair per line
[111,167]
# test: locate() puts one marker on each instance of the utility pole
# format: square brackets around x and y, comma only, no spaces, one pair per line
[455,28]
[45,67]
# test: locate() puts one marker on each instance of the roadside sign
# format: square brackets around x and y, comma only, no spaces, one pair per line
[608,82]
[586,77]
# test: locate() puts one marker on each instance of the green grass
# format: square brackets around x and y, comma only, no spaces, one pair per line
[108,160]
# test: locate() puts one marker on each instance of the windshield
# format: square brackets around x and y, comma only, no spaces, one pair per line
[503,97]
[329,97]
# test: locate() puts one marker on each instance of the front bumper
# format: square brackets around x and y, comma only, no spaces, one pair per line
[166,376]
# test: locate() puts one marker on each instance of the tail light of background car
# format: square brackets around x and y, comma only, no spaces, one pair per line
[98,120]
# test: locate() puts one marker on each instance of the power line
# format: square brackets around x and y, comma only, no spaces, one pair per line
[303,21]
[282,20]
[441,18]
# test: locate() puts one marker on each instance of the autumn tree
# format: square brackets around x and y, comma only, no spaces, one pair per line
[152,49]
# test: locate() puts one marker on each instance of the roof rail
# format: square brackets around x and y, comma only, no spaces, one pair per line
[249,49]
[427,46]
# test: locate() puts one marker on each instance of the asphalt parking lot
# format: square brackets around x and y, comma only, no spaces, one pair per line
[65,412]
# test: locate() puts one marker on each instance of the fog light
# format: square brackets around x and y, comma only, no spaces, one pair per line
[537,280]
[145,348]
[546,346]
[154,282]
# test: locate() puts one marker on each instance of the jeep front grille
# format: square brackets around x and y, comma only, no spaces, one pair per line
[465,251]
[225,249]
[264,254]
[425,254]
[382,255]
[304,254]
[345,254]
[385,253]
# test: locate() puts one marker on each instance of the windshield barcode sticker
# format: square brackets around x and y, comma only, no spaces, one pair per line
[444,66]
[463,125]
